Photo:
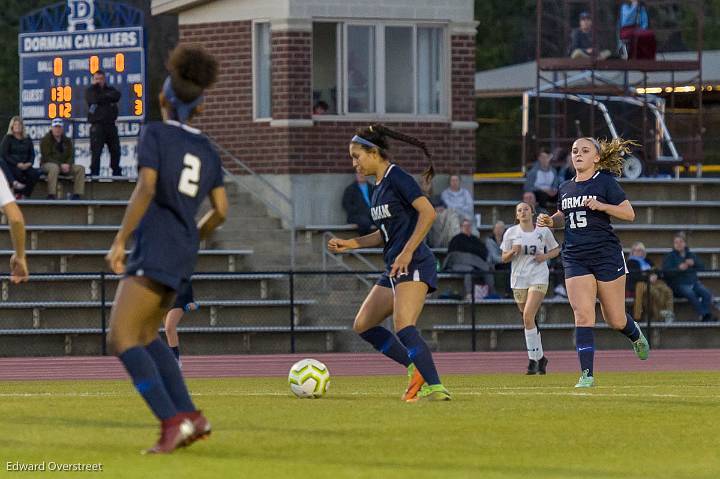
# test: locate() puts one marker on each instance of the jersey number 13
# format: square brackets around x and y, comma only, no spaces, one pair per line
[190,176]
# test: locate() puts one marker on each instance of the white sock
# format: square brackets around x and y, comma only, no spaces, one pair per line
[534,347]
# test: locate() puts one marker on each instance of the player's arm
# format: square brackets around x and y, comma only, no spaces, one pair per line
[553,253]
[216,216]
[553,222]
[18,263]
[139,202]
[339,245]
[624,211]
[508,255]
[426,217]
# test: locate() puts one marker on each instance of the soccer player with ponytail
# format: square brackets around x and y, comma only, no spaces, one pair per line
[591,253]
[403,217]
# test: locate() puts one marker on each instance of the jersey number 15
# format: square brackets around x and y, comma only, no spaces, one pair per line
[578,219]
[190,176]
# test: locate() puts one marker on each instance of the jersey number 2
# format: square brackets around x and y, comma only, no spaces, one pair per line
[578,219]
[190,176]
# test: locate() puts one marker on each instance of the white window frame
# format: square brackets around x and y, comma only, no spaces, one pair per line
[342,95]
[255,73]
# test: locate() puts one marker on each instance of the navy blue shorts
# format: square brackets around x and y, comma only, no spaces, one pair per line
[424,271]
[184,296]
[604,268]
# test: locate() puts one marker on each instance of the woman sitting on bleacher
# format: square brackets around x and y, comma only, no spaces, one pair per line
[18,154]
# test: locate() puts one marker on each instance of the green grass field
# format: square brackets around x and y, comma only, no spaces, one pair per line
[657,425]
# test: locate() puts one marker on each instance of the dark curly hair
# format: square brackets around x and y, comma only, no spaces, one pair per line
[379,134]
[192,70]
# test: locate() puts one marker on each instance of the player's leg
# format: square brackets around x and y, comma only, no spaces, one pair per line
[409,302]
[612,303]
[172,377]
[377,306]
[136,303]
[535,296]
[172,318]
[582,293]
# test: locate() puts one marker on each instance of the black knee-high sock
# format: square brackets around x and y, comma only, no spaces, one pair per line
[585,345]
[419,354]
[171,376]
[631,330]
[386,342]
[148,382]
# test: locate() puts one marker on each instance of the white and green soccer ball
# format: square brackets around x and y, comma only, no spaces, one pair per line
[309,378]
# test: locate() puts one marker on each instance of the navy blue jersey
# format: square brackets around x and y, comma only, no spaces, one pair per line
[188,167]
[393,213]
[588,232]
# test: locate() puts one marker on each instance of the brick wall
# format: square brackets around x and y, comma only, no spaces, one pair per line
[321,148]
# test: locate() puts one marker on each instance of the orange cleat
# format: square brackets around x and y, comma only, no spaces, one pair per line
[174,432]
[415,383]
[201,425]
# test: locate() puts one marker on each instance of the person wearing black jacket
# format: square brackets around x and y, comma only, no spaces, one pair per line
[18,156]
[356,203]
[102,101]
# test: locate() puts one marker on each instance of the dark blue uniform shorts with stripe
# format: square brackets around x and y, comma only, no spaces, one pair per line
[604,268]
[424,271]
[184,296]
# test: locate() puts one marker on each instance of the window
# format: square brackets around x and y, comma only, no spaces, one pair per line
[325,68]
[360,69]
[399,72]
[263,97]
[393,68]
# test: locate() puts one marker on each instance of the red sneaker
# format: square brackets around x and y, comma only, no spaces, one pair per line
[201,425]
[173,434]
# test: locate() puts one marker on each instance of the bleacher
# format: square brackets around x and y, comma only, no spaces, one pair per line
[247,308]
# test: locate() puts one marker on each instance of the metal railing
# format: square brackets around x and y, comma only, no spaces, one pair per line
[293,310]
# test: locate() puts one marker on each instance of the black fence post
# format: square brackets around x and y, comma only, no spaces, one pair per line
[472,314]
[292,311]
[103,325]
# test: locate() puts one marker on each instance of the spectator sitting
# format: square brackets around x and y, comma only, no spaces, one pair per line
[18,153]
[529,198]
[458,199]
[581,44]
[502,270]
[543,180]
[680,268]
[562,162]
[320,108]
[356,203]
[661,296]
[467,254]
[447,221]
[634,23]
[57,158]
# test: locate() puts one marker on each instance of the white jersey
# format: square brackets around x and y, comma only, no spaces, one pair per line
[6,194]
[525,270]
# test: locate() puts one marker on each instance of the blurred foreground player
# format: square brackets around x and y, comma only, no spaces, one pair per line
[18,263]
[178,168]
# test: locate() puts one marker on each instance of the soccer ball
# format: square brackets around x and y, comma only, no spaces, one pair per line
[309,378]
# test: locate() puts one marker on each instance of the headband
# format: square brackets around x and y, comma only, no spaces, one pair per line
[363,141]
[182,109]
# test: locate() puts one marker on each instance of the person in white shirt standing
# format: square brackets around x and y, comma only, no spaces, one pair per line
[18,263]
[528,248]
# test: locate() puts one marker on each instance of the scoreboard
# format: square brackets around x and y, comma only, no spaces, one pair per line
[56,69]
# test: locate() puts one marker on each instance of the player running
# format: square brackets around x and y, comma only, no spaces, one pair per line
[592,254]
[184,302]
[403,217]
[529,248]
[178,168]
